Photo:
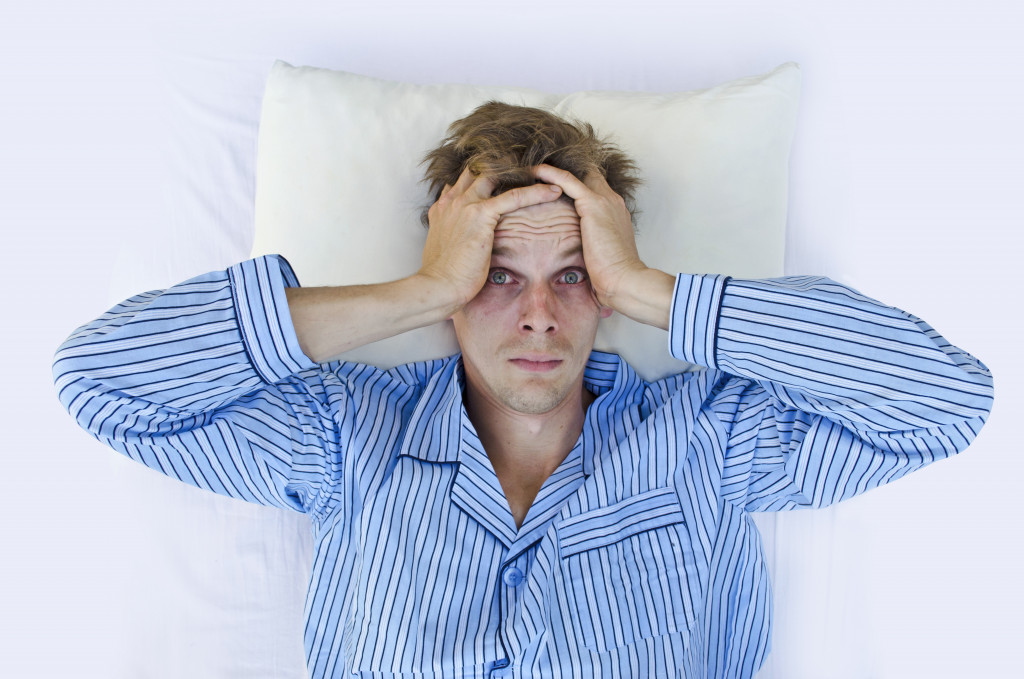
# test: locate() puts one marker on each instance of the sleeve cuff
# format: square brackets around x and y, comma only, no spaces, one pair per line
[257,289]
[693,324]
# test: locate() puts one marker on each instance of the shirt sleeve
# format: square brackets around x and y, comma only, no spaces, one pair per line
[205,382]
[828,393]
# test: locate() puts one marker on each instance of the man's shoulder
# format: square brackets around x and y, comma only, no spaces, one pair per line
[416,373]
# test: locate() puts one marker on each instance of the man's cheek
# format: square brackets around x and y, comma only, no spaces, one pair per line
[489,302]
[582,297]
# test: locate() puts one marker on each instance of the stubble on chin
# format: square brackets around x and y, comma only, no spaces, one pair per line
[530,404]
[532,399]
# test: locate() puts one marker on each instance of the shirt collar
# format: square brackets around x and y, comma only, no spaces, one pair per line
[619,393]
[434,430]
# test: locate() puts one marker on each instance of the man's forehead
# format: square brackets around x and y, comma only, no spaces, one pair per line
[552,228]
[559,215]
[515,246]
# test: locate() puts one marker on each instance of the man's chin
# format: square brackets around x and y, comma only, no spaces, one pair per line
[534,399]
[532,407]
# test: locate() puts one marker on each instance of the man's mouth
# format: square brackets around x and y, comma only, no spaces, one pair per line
[536,362]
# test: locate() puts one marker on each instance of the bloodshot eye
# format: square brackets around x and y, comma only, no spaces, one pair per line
[499,277]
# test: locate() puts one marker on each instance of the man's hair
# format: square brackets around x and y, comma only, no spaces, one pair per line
[503,141]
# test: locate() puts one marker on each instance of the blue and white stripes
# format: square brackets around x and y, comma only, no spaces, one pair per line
[638,557]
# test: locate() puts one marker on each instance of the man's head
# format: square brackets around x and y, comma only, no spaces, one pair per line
[528,333]
[503,141]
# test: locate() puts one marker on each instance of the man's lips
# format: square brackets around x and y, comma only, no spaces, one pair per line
[536,362]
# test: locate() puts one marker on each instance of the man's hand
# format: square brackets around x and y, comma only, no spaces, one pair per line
[462,222]
[609,247]
[620,279]
[332,320]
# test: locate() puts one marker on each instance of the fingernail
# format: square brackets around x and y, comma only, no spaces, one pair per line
[555,188]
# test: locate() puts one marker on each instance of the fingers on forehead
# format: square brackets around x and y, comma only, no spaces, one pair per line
[563,178]
[523,196]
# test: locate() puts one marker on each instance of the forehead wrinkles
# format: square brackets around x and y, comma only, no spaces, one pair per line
[513,242]
[551,226]
[538,223]
[556,214]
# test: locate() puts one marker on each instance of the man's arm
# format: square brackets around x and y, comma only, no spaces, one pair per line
[456,258]
[838,392]
[211,381]
[196,382]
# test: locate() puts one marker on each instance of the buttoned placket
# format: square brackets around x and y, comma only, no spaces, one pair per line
[511,583]
[517,567]
[478,492]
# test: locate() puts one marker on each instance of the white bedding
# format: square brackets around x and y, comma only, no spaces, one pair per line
[128,159]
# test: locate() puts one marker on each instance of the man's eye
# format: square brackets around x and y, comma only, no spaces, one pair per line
[499,277]
[573,277]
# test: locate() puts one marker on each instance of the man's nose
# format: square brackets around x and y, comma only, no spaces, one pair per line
[537,313]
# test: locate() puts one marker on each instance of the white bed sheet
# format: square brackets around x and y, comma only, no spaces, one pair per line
[128,137]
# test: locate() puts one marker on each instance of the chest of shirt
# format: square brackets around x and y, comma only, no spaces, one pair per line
[431,570]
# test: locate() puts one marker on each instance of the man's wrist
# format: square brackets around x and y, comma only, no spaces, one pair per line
[444,297]
[645,295]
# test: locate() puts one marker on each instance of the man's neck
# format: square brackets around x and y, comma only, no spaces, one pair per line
[526,449]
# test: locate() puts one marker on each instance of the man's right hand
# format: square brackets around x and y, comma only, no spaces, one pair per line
[457,253]
[456,259]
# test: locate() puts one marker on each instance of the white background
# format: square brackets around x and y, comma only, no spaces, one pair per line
[127,142]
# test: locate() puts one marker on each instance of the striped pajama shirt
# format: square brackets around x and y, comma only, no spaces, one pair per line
[638,557]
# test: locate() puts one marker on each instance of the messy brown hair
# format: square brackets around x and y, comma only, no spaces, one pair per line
[503,141]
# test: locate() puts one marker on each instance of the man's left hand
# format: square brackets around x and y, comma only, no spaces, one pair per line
[619,277]
[609,247]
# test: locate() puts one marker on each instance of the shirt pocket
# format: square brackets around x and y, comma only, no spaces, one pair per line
[626,570]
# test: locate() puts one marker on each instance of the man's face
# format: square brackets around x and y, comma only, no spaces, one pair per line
[527,335]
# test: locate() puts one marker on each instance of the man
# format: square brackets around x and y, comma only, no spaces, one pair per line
[528,507]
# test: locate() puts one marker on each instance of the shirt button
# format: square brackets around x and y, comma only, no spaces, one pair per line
[513,577]
[500,668]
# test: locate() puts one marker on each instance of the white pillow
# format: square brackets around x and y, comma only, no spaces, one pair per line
[338,188]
